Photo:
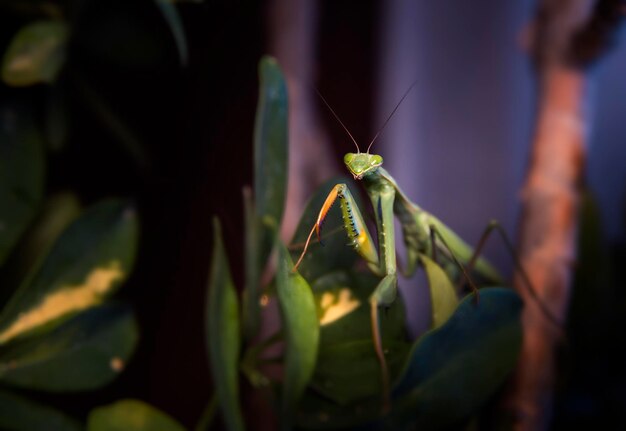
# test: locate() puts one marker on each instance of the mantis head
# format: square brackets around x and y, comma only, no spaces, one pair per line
[361,164]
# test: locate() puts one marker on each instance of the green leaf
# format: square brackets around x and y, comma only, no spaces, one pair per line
[270,153]
[342,301]
[453,370]
[442,294]
[131,415]
[21,174]
[350,371]
[175,23]
[85,266]
[36,54]
[335,254]
[83,353]
[301,329]
[319,413]
[21,414]
[223,334]
[57,213]
[251,306]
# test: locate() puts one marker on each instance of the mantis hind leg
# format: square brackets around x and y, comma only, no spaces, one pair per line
[387,284]
[494,225]
[436,235]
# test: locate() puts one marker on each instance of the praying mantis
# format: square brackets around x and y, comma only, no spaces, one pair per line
[423,234]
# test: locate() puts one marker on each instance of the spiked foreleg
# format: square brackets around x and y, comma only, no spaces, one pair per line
[353,223]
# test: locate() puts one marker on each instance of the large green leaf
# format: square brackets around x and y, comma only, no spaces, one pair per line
[21,175]
[21,414]
[90,259]
[347,369]
[85,352]
[223,334]
[130,415]
[350,371]
[36,53]
[301,329]
[443,297]
[335,253]
[342,300]
[453,370]
[270,152]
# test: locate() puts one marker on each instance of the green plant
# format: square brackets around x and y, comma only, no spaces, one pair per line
[61,330]
[330,377]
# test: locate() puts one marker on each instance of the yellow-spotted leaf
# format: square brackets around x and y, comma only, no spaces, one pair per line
[36,54]
[131,415]
[224,334]
[87,263]
[84,352]
[443,297]
[302,333]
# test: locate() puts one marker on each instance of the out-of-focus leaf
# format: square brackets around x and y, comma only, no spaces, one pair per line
[442,294]
[301,329]
[270,153]
[21,414]
[175,23]
[57,213]
[83,353]
[335,253]
[251,306]
[350,371]
[131,415]
[88,261]
[36,54]
[223,334]
[453,370]
[21,175]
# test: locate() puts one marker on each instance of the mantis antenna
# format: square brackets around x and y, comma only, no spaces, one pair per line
[358,150]
[406,93]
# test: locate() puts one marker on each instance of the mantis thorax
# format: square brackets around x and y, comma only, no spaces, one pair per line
[361,164]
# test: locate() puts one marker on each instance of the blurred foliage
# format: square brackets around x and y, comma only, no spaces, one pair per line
[61,331]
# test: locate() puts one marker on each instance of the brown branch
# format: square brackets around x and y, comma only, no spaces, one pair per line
[568,36]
